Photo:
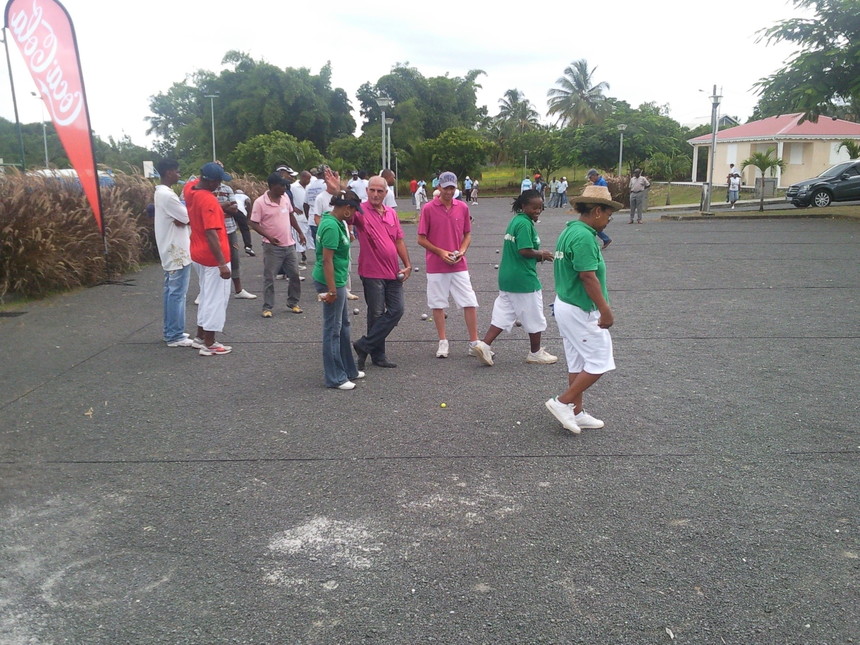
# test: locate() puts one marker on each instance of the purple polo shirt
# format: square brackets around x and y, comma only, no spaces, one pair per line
[446,229]
[377,237]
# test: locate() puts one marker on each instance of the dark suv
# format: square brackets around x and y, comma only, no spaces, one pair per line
[841,183]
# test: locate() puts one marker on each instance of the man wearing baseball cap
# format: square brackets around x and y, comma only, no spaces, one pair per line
[210,252]
[445,232]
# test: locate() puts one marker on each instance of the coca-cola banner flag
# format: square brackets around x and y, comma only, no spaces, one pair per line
[43,31]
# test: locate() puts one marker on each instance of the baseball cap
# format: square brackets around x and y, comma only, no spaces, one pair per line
[212,171]
[288,170]
[447,179]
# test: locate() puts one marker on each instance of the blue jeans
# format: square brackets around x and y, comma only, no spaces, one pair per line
[338,363]
[384,300]
[173,296]
[603,236]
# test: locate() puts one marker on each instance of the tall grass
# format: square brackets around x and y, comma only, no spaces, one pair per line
[49,240]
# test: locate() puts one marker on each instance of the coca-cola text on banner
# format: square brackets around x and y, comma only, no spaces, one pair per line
[43,32]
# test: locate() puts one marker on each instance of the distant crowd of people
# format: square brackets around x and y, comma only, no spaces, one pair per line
[314,211]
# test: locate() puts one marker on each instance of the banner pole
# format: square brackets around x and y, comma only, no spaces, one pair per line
[14,101]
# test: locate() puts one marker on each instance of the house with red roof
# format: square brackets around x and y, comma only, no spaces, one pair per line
[807,148]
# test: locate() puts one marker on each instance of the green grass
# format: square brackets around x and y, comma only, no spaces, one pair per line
[677,195]
[505,180]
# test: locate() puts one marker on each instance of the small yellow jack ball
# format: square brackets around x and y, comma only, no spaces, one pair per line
[443,405]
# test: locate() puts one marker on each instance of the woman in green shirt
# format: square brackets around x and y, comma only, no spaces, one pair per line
[330,276]
[581,307]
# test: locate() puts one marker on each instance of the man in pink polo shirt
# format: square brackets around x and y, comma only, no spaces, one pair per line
[445,231]
[381,251]
[272,217]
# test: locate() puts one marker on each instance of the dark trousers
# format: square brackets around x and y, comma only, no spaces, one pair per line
[242,223]
[384,300]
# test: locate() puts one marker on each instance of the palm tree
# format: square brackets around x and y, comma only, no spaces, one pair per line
[516,113]
[851,146]
[574,99]
[765,163]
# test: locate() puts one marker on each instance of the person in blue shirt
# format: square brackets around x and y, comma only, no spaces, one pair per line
[596,179]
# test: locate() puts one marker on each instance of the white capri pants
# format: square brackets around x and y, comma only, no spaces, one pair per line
[587,347]
[525,307]
[214,298]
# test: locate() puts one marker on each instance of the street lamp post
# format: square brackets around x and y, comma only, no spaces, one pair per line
[212,98]
[715,108]
[383,102]
[526,164]
[621,128]
[388,122]
[396,173]
[44,127]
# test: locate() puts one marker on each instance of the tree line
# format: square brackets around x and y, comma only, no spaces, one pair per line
[265,114]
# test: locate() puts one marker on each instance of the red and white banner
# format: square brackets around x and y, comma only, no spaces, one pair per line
[44,33]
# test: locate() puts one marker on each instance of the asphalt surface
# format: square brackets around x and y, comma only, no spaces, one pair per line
[150,495]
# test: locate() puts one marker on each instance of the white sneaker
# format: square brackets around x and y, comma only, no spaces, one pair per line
[245,295]
[346,385]
[198,343]
[442,350]
[483,352]
[541,357]
[472,351]
[360,375]
[564,413]
[182,342]
[280,276]
[197,300]
[215,349]
[585,420]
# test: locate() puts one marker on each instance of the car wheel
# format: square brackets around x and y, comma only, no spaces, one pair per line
[821,198]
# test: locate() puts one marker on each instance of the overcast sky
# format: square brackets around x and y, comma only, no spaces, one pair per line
[663,51]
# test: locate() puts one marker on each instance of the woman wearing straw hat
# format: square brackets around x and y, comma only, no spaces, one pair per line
[582,306]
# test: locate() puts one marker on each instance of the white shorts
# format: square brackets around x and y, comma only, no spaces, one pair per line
[587,347]
[525,307]
[214,298]
[457,284]
[306,231]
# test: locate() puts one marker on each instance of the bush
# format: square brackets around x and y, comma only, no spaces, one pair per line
[619,188]
[49,240]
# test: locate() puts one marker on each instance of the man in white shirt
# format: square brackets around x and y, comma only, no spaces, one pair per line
[173,238]
[297,191]
[388,176]
[562,193]
[313,189]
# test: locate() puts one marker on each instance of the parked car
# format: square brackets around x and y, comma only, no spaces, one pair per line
[841,183]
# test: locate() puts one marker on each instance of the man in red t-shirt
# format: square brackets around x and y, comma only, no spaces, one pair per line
[413,188]
[210,252]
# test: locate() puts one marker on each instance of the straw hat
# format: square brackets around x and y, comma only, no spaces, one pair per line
[596,195]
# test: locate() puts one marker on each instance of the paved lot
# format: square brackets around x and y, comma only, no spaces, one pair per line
[150,495]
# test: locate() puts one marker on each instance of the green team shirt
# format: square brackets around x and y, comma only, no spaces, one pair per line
[516,273]
[331,234]
[578,250]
